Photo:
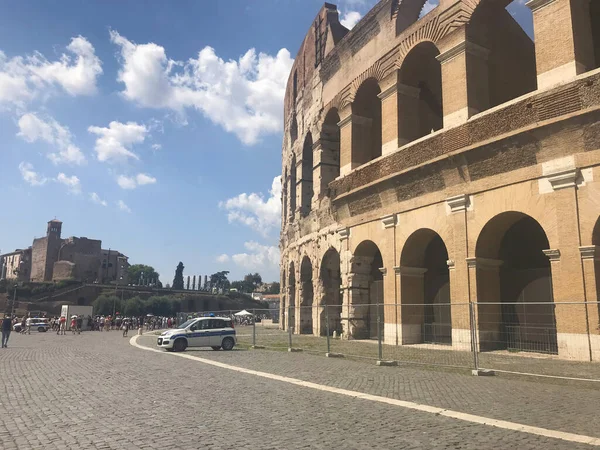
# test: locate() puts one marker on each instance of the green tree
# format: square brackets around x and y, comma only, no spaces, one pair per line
[219,280]
[134,307]
[104,304]
[252,280]
[178,280]
[275,288]
[134,274]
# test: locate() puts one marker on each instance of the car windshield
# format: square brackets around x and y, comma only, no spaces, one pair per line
[186,324]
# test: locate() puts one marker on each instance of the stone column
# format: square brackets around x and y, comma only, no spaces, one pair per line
[590,259]
[346,134]
[390,296]
[484,276]
[563,39]
[327,161]
[456,208]
[567,271]
[389,110]
[464,80]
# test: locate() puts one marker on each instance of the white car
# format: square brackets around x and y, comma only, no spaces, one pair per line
[215,332]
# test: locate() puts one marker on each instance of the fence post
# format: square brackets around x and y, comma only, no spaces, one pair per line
[473,326]
[327,329]
[253,328]
[379,343]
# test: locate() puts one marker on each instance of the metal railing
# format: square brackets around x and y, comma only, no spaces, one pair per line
[548,339]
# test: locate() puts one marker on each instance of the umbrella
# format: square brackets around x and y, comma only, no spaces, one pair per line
[243,313]
[149,315]
[73,317]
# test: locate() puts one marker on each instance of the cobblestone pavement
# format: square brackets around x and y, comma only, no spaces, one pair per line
[95,391]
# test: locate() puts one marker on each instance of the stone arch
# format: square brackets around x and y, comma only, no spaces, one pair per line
[366,293]
[293,130]
[306,182]
[514,285]
[425,289]
[291,286]
[366,123]
[330,281]
[306,296]
[420,107]
[500,56]
[293,186]
[329,163]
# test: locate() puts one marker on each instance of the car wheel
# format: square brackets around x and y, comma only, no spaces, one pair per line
[228,344]
[41,329]
[179,345]
[216,347]
[169,349]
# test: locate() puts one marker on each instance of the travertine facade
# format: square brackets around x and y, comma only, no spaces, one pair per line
[435,162]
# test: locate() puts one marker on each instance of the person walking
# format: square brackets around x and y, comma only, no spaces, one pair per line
[62,325]
[6,328]
[125,327]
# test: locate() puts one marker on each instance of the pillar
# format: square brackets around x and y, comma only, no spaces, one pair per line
[456,208]
[567,272]
[590,260]
[389,114]
[484,277]
[346,135]
[465,81]
[390,308]
[326,151]
[563,39]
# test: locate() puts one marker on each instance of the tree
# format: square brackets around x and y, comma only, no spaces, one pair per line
[134,274]
[134,307]
[253,280]
[105,304]
[274,288]
[178,280]
[219,280]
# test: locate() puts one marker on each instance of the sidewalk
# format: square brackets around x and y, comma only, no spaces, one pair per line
[567,406]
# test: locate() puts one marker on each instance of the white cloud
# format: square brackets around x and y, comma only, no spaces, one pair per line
[258,256]
[156,146]
[244,97]
[254,211]
[30,176]
[95,198]
[350,19]
[140,179]
[222,258]
[123,207]
[429,5]
[32,128]
[24,78]
[114,143]
[71,182]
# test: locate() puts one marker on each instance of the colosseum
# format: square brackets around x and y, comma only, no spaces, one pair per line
[432,162]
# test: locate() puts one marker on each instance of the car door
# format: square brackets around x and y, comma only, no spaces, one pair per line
[216,332]
[199,334]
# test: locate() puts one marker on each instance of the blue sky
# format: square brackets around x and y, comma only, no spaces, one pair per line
[155,126]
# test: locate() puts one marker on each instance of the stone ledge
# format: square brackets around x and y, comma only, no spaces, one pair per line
[294,350]
[482,373]
[386,363]
[334,355]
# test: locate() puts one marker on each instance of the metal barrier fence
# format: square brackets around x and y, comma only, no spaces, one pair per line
[534,338]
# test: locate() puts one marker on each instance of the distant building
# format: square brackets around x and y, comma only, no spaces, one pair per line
[52,258]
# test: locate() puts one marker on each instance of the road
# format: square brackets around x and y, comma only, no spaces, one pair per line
[97,391]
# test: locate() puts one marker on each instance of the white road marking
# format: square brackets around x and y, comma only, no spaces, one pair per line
[570,437]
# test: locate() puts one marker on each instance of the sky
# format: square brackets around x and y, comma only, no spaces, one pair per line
[154,126]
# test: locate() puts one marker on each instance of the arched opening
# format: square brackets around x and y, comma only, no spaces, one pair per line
[283,301]
[425,290]
[307,175]
[293,130]
[595,23]
[331,281]
[502,65]
[420,108]
[366,123]
[293,189]
[306,297]
[514,286]
[284,195]
[330,151]
[291,297]
[367,298]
